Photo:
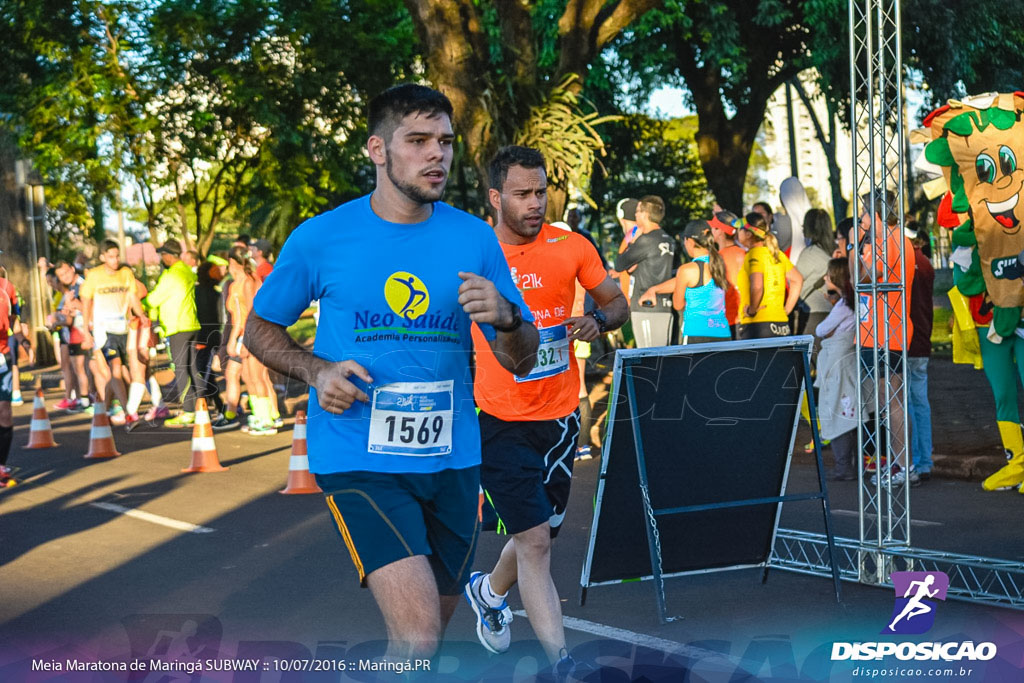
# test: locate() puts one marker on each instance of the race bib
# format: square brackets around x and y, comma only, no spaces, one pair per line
[412,418]
[112,324]
[552,356]
[865,308]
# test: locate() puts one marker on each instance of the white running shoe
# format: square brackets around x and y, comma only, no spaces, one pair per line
[492,623]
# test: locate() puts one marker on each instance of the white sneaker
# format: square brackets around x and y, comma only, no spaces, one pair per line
[899,478]
[491,623]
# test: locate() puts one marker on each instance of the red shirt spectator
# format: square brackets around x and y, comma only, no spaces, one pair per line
[921,306]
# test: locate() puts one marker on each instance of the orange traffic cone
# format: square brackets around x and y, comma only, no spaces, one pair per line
[101,439]
[300,480]
[41,435]
[204,450]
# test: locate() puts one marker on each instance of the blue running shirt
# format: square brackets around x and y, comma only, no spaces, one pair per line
[389,301]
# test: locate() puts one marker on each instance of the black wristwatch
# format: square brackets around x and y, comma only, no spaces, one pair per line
[517,319]
[602,320]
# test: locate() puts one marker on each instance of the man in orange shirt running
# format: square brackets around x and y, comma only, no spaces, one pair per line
[529,425]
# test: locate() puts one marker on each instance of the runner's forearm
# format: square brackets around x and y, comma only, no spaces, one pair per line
[616,312]
[516,351]
[274,347]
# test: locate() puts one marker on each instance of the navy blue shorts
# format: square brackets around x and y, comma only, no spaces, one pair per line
[526,472]
[116,347]
[383,518]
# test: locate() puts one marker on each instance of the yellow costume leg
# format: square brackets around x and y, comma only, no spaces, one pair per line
[1012,474]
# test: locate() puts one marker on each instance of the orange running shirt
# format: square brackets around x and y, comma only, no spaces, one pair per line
[546,272]
[733,256]
[890,270]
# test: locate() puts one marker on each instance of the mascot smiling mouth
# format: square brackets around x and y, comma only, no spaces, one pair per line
[1003,213]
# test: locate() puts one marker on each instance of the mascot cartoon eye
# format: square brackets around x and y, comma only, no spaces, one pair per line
[986,168]
[1007,160]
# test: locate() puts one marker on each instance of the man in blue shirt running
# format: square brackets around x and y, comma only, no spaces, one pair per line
[393,436]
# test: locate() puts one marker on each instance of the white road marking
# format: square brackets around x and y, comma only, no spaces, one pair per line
[643,640]
[155,519]
[913,522]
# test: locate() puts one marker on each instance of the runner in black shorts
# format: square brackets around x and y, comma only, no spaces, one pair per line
[529,426]
[532,452]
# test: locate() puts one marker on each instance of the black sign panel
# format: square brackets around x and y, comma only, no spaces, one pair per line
[717,423]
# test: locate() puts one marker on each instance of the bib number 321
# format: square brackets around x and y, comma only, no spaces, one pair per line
[552,356]
[412,418]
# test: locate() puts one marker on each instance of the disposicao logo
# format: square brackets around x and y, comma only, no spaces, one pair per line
[914,609]
[406,295]
[914,613]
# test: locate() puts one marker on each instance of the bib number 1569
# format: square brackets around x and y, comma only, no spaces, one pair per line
[423,431]
[412,418]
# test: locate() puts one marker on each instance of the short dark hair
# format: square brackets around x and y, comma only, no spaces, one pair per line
[653,206]
[764,205]
[107,245]
[391,106]
[844,228]
[886,196]
[507,157]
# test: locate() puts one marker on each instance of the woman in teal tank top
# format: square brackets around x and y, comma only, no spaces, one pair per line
[698,289]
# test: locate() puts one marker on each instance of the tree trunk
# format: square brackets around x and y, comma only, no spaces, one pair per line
[457,55]
[724,146]
[456,47]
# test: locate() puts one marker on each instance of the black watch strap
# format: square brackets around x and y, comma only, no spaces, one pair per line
[517,319]
[600,318]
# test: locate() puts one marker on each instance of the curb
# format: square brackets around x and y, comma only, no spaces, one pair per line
[966,467]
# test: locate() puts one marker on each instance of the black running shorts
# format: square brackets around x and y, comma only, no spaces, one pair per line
[526,472]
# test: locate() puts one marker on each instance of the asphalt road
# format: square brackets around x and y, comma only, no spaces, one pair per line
[225,569]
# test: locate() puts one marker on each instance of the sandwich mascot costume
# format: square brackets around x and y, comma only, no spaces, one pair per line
[978,144]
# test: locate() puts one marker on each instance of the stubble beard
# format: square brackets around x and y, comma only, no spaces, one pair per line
[519,225]
[413,192]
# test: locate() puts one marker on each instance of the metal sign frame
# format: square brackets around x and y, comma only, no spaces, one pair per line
[623,379]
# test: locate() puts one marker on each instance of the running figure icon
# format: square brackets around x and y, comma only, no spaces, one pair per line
[416,296]
[915,606]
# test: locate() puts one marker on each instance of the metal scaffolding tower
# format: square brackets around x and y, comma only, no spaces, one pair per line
[881,286]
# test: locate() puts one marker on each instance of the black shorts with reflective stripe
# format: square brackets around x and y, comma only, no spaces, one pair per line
[526,472]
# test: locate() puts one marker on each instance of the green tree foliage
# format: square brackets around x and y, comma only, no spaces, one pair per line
[220,113]
[262,104]
[651,156]
[498,61]
[66,93]
[731,55]
[962,48]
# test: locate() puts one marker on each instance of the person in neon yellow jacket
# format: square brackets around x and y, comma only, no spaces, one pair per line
[173,303]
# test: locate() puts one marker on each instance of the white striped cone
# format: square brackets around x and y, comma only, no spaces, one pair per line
[204,450]
[300,480]
[40,434]
[101,438]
